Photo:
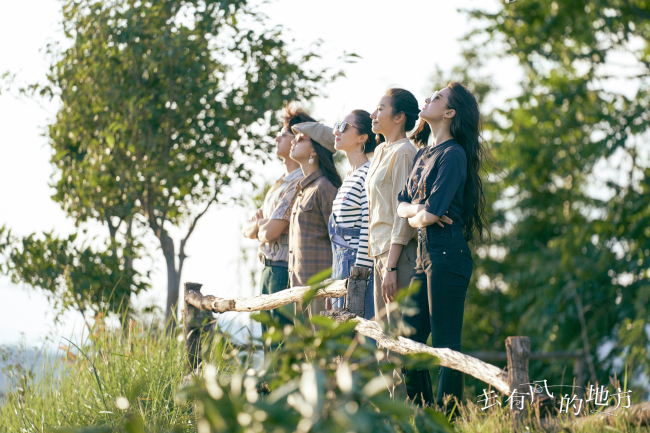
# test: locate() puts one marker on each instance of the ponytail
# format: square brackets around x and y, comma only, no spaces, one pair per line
[403,101]
[364,123]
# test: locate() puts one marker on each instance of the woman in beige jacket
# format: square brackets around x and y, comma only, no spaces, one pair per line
[391,239]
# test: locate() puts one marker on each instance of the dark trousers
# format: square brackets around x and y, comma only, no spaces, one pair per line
[443,269]
[275,279]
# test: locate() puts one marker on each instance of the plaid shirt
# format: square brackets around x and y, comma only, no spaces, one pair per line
[310,250]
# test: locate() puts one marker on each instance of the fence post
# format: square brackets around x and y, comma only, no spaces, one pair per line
[196,324]
[518,354]
[579,374]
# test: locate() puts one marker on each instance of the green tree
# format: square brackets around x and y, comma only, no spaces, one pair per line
[161,104]
[569,259]
[72,275]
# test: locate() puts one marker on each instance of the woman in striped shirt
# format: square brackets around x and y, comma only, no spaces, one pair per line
[348,224]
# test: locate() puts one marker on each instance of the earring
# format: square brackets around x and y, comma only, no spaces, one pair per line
[363,150]
[311,159]
[443,121]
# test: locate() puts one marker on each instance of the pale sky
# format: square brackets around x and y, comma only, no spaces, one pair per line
[400,44]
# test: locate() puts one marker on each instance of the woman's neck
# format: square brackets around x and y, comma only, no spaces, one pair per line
[308,168]
[395,135]
[290,165]
[355,159]
[440,132]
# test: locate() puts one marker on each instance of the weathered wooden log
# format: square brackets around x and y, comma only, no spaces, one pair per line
[448,358]
[214,304]
[518,352]
[196,323]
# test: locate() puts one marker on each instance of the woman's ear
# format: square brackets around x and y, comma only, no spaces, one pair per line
[399,117]
[363,138]
[450,113]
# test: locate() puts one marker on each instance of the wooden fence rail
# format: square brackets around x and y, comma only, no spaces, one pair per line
[517,354]
[195,303]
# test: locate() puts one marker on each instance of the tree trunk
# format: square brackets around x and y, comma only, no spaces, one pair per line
[173,278]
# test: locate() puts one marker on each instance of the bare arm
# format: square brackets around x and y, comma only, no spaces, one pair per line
[423,219]
[389,285]
[408,210]
[250,228]
[270,230]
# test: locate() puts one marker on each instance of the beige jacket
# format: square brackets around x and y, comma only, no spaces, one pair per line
[387,175]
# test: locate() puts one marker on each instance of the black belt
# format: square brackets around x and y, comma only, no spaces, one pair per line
[268,262]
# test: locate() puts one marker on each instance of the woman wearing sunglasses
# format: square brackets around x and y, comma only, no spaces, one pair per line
[348,224]
[310,250]
[445,180]
[270,225]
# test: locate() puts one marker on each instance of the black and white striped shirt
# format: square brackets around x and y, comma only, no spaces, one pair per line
[350,209]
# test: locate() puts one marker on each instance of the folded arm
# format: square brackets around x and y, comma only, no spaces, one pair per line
[271,229]
[251,227]
[423,219]
[408,210]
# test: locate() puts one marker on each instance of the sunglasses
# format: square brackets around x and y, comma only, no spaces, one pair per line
[341,126]
[284,134]
[435,95]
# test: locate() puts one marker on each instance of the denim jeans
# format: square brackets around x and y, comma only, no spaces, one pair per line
[443,270]
[275,279]
[343,258]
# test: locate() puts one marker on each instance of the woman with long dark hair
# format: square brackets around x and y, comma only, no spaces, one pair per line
[310,249]
[444,180]
[348,225]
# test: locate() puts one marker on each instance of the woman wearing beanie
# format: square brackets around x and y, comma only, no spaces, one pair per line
[348,225]
[310,249]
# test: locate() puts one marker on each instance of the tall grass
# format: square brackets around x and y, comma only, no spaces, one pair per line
[82,385]
[473,419]
[116,376]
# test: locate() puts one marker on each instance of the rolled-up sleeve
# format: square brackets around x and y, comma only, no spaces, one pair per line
[326,196]
[402,232]
[405,194]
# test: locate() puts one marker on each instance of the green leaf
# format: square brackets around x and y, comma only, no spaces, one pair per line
[320,277]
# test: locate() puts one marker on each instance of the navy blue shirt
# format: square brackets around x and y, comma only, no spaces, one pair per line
[438,180]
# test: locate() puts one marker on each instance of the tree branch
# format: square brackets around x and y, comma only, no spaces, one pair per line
[181,253]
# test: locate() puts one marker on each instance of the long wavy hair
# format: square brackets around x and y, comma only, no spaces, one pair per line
[326,163]
[466,129]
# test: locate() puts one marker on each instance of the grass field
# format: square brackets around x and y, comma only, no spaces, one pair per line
[128,380]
